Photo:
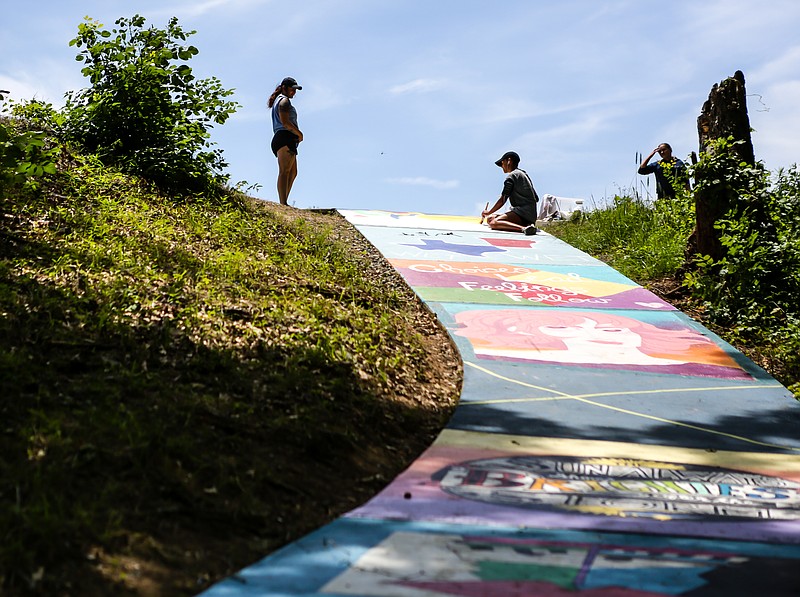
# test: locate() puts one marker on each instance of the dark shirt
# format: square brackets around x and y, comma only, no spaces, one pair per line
[668,173]
[518,188]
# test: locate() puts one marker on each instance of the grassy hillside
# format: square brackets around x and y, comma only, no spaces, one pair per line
[188,385]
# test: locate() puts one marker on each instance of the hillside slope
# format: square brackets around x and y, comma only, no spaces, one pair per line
[188,385]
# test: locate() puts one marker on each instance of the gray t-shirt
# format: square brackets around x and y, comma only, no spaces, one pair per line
[518,187]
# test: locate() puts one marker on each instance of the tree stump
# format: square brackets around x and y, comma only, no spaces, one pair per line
[723,115]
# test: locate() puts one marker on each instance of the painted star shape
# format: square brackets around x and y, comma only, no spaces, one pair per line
[473,250]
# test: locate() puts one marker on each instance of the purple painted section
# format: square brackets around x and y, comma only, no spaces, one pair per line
[523,286]
[488,486]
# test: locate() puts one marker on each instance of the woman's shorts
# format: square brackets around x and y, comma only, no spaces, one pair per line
[284,138]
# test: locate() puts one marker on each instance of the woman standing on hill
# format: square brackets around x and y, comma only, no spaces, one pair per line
[286,135]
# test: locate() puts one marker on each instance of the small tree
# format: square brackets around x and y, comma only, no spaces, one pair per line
[145,111]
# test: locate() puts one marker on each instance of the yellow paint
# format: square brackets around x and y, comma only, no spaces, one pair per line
[638,462]
[612,511]
[586,286]
[542,484]
[766,463]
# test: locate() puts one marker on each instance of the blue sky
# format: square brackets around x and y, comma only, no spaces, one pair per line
[407,103]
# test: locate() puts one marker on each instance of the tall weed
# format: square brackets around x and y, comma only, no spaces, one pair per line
[643,240]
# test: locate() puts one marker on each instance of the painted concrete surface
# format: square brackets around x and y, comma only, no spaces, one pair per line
[605,444]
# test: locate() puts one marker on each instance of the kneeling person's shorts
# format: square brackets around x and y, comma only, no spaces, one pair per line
[284,138]
[526,213]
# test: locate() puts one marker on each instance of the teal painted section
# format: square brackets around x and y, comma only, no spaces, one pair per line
[457,560]
[604,443]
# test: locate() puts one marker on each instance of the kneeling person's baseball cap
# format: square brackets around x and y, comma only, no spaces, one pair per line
[509,154]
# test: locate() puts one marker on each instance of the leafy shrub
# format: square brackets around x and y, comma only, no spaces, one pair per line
[758,277]
[145,111]
[752,290]
[24,153]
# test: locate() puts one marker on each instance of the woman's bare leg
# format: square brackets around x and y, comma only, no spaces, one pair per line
[292,176]
[287,172]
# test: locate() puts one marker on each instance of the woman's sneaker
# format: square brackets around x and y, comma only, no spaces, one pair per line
[530,230]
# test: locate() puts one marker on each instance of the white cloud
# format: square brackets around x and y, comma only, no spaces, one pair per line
[321,96]
[575,132]
[418,86]
[47,81]
[776,139]
[508,108]
[197,9]
[17,89]
[425,182]
[728,19]
[777,70]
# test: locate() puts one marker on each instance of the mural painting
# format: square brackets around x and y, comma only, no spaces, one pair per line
[519,285]
[604,445]
[408,564]
[411,219]
[472,478]
[622,487]
[471,245]
[595,339]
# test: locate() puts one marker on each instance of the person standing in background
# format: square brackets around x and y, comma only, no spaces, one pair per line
[286,135]
[670,171]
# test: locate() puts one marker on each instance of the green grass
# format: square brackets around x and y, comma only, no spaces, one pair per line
[644,241]
[187,375]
